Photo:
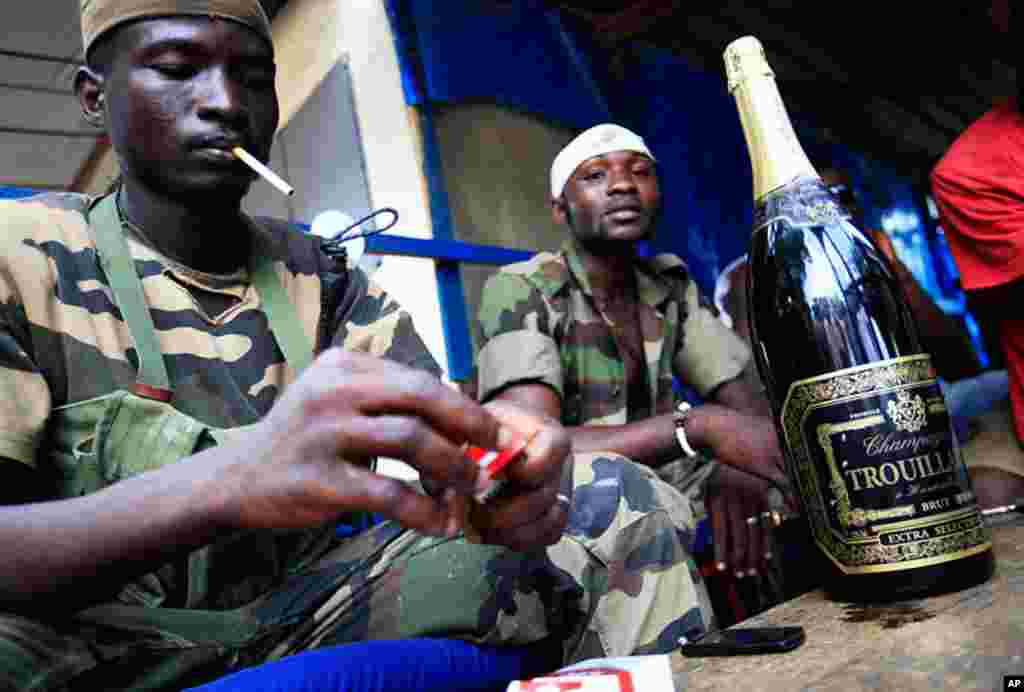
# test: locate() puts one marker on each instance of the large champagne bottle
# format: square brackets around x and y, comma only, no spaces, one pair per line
[860,415]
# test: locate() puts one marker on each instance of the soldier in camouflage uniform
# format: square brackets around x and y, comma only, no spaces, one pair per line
[175,462]
[594,334]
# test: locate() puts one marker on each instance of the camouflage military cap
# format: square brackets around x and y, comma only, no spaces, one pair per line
[100,16]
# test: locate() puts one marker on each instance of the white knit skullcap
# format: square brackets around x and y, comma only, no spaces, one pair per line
[598,140]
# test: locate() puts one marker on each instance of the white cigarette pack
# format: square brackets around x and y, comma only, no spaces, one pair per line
[626,674]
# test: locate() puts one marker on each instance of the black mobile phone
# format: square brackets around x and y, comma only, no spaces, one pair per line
[743,641]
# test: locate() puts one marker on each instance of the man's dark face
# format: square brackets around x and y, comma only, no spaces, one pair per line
[612,198]
[181,92]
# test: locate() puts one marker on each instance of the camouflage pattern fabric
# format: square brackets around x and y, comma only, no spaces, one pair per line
[62,339]
[539,323]
[620,581]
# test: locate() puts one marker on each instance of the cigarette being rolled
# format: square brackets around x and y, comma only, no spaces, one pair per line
[267,174]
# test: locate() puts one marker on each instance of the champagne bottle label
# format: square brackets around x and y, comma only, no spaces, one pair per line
[881,476]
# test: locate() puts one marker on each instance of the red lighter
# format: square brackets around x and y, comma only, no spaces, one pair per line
[491,463]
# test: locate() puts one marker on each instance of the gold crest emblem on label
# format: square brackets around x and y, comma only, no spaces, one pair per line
[873,456]
[907,412]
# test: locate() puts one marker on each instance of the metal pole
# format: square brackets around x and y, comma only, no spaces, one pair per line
[49,133]
[24,55]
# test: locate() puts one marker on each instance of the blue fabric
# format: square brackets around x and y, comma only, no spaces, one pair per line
[520,54]
[7,192]
[973,397]
[361,523]
[415,665]
[702,540]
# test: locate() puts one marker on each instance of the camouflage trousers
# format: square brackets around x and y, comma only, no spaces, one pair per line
[620,581]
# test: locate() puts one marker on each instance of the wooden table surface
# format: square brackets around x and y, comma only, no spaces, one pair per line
[961,641]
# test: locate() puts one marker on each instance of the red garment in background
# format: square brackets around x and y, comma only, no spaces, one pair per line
[979,189]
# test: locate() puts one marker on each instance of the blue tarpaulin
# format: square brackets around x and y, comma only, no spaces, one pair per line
[520,54]
[7,192]
[689,121]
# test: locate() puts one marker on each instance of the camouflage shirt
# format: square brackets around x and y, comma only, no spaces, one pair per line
[540,324]
[63,340]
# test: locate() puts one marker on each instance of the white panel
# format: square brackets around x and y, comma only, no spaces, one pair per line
[263,199]
[323,154]
[391,143]
[320,155]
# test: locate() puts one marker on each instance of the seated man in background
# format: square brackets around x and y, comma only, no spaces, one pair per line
[194,399]
[594,334]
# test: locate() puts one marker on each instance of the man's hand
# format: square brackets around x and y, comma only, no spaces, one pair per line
[532,508]
[737,506]
[306,461]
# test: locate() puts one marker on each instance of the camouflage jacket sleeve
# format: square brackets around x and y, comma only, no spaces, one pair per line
[518,343]
[370,321]
[709,353]
[25,399]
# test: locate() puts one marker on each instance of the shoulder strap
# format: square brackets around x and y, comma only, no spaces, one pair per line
[153,381]
[284,321]
[119,266]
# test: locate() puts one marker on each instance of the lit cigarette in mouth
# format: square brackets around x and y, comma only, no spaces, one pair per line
[267,174]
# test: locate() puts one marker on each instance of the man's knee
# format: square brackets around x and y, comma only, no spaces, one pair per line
[627,544]
[612,492]
[431,587]
[484,592]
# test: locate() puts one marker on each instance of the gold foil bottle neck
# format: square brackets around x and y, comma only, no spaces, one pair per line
[745,58]
[776,156]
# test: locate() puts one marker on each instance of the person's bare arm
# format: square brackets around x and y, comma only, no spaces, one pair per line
[732,496]
[737,434]
[732,430]
[741,395]
[650,442]
[64,555]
